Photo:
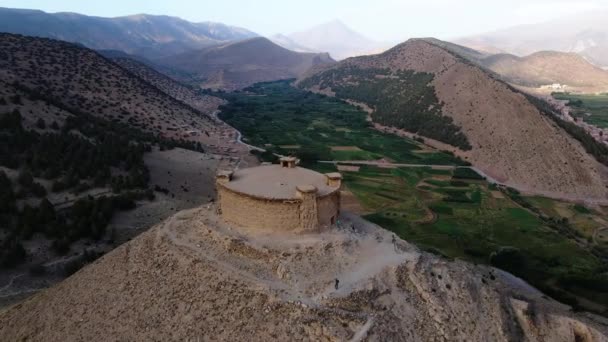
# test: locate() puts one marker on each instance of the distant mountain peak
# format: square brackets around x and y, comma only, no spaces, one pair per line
[334,37]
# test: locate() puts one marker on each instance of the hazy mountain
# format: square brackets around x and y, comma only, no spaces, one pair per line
[424,88]
[237,65]
[187,95]
[586,34]
[142,34]
[290,44]
[333,37]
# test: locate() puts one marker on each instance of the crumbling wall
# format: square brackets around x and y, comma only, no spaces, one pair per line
[249,212]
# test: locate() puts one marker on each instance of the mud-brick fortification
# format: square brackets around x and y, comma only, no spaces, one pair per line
[281,197]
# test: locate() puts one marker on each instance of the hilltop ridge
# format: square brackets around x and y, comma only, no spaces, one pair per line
[143,34]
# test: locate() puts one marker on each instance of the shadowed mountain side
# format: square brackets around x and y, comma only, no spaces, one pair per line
[206,104]
[240,64]
[81,80]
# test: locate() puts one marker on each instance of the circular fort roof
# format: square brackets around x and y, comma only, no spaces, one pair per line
[277,182]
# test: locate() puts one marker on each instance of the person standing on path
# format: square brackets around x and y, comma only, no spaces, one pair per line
[337,283]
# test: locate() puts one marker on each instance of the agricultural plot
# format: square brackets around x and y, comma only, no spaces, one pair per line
[592,108]
[465,218]
[317,127]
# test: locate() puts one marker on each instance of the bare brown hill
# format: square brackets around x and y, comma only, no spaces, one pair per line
[240,64]
[195,278]
[544,68]
[549,67]
[423,88]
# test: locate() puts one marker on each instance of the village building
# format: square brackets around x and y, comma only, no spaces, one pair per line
[279,197]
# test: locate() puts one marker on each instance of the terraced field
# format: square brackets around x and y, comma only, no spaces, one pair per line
[592,108]
[559,246]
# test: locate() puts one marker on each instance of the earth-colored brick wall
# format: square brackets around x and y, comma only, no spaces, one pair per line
[255,213]
[309,220]
[328,207]
[281,215]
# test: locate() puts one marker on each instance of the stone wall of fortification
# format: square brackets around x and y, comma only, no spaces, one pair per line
[328,207]
[249,212]
[309,220]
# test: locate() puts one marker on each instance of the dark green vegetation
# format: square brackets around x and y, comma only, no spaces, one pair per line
[402,99]
[85,152]
[71,160]
[548,243]
[309,125]
[87,218]
[583,104]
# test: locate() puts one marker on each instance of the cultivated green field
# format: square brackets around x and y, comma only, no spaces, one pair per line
[286,116]
[553,241]
[553,245]
[583,104]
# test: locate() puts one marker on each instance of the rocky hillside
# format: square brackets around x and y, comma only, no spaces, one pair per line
[146,35]
[240,64]
[80,80]
[423,88]
[204,103]
[549,67]
[193,276]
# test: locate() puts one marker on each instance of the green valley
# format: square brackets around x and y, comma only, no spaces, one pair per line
[559,247]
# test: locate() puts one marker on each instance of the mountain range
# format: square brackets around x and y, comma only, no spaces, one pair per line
[146,35]
[334,37]
[585,34]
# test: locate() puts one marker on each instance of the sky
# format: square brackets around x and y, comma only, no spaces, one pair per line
[383,20]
